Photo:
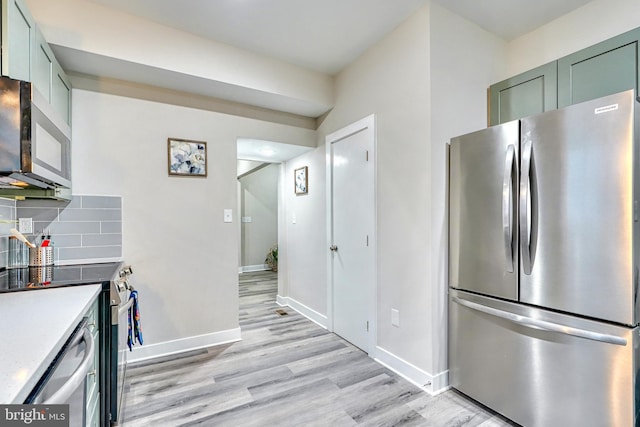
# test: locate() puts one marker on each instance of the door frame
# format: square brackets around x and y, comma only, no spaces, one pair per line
[368,122]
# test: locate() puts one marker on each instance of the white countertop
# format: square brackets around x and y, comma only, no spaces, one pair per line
[33,327]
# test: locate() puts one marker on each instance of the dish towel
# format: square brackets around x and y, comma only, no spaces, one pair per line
[135,327]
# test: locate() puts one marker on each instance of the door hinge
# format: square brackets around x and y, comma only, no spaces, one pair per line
[367,326]
[367,240]
[367,155]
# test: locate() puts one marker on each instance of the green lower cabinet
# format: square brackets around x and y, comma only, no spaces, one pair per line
[603,69]
[526,94]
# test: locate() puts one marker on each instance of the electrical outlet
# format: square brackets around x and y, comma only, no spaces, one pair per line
[395,317]
[25,225]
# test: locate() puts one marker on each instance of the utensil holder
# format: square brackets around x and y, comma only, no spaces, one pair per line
[41,275]
[18,255]
[40,256]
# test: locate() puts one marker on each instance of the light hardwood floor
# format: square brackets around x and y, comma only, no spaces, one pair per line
[286,371]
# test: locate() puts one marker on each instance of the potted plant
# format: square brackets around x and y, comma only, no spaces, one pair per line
[272,258]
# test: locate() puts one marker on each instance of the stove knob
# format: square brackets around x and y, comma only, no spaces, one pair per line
[121,286]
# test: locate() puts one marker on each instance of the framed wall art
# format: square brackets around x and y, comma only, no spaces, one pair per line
[187,158]
[301,180]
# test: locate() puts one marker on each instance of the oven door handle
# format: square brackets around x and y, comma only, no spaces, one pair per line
[125,307]
[78,377]
[117,311]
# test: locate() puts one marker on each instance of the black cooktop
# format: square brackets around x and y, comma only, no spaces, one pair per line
[30,278]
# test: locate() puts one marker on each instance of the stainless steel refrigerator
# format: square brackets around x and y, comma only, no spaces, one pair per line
[543,265]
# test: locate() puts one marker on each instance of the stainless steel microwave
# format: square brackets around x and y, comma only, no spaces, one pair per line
[35,144]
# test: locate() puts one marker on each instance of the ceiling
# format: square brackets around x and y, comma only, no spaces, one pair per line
[510,19]
[327,35]
[260,150]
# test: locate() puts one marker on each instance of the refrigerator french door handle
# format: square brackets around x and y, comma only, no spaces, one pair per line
[524,208]
[542,324]
[507,207]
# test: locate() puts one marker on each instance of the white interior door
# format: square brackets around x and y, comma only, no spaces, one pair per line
[351,240]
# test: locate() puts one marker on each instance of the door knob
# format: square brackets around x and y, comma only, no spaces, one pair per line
[333,248]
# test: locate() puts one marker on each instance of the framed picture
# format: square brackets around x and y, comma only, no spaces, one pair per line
[301,180]
[187,158]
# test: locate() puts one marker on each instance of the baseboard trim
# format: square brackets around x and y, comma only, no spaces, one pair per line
[309,313]
[432,384]
[250,268]
[167,348]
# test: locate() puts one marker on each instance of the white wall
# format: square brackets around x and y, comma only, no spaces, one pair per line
[259,201]
[391,80]
[302,246]
[184,255]
[152,53]
[586,26]
[465,61]
[425,82]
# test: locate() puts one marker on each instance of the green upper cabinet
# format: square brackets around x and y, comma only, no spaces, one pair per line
[61,93]
[603,69]
[42,66]
[532,92]
[18,39]
[26,55]
[606,68]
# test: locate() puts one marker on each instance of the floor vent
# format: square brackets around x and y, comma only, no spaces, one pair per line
[281,312]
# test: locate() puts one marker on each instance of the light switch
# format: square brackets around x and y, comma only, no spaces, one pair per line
[395,317]
[228,215]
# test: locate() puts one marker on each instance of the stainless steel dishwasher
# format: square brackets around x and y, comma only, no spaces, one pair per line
[64,382]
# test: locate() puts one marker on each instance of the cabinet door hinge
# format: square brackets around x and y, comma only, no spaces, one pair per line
[367,326]
[367,155]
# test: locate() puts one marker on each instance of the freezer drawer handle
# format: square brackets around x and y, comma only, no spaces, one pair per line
[507,207]
[542,324]
[72,384]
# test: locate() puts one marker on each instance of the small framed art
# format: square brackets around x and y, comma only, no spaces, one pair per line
[187,158]
[301,180]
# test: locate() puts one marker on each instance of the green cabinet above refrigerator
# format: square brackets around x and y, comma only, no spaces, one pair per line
[603,69]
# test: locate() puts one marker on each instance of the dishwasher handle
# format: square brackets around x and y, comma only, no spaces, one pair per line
[542,324]
[78,377]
